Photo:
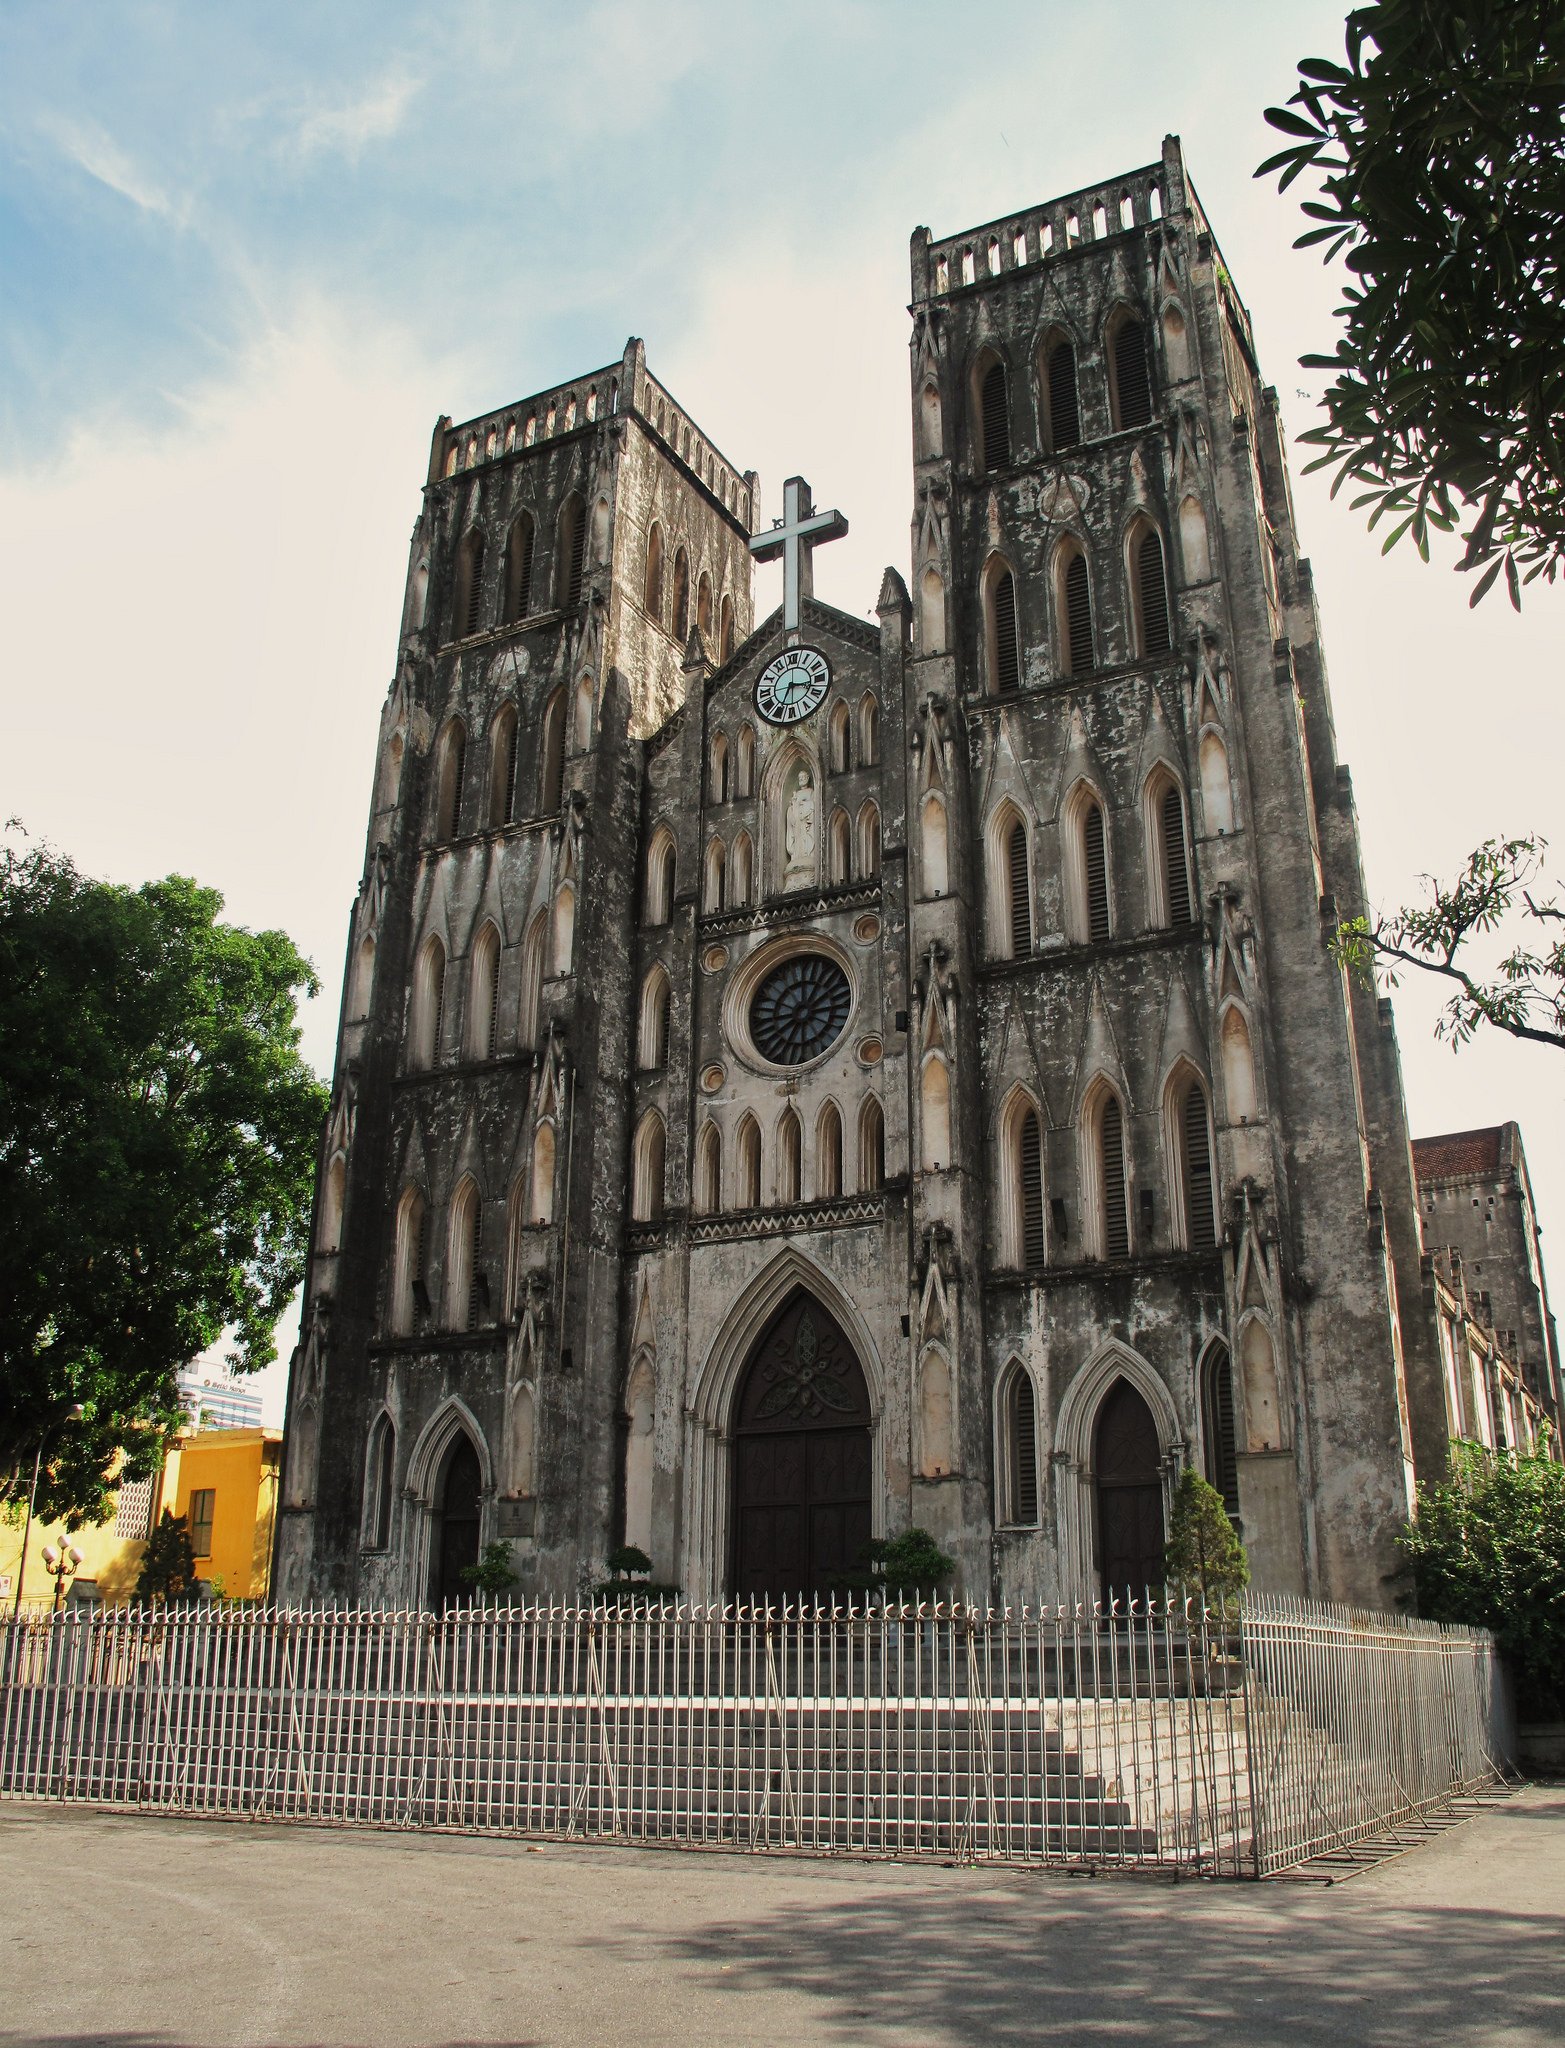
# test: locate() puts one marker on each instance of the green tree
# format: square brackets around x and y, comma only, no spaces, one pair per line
[1438,150]
[902,1567]
[1487,1546]
[168,1564]
[492,1575]
[158,1131]
[1204,1554]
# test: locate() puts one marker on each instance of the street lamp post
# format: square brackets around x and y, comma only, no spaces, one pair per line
[61,1564]
[72,1414]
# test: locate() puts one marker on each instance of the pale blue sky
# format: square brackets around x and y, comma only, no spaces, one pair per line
[249,252]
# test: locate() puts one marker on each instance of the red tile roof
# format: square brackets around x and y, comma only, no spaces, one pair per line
[1459,1154]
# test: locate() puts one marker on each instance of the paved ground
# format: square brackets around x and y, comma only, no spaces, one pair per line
[140,1932]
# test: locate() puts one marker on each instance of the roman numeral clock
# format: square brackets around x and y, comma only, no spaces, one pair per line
[793,685]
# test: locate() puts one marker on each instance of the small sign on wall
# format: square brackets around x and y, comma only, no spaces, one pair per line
[514,1517]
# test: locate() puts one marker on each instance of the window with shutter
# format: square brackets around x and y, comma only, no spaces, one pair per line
[1064,405]
[681,621]
[1095,849]
[1176,866]
[473,1291]
[1217,1428]
[1078,616]
[575,553]
[1132,387]
[519,569]
[1023,1431]
[551,765]
[1007,657]
[1200,1210]
[1116,1217]
[493,1034]
[996,419]
[1020,891]
[509,793]
[1152,592]
[437,1010]
[1030,1169]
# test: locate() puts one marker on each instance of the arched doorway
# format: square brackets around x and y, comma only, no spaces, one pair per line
[1127,1476]
[456,1537]
[801,1457]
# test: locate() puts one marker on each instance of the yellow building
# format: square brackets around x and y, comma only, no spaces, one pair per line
[224,1481]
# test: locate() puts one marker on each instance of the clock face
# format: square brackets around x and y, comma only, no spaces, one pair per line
[793,685]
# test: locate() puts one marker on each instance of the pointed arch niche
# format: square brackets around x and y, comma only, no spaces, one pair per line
[1075,1442]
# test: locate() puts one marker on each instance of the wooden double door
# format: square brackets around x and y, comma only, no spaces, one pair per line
[802,1451]
[1127,1468]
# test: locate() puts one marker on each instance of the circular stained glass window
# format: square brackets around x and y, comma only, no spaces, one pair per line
[800,1009]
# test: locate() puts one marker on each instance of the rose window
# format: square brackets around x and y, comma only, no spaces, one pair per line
[800,1009]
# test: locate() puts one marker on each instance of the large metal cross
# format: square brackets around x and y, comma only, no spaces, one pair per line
[800,529]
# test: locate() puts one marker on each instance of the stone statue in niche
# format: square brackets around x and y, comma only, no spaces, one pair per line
[799,832]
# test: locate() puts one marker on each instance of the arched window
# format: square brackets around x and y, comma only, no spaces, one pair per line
[551,756]
[741,874]
[532,980]
[427,1013]
[1151,593]
[464,1289]
[1106,1165]
[334,1192]
[935,1104]
[1021,1203]
[380,1466]
[640,1401]
[541,1199]
[828,1154]
[719,769]
[520,547]
[747,1180]
[932,612]
[838,847]
[1018,890]
[502,766]
[408,1298]
[744,760]
[725,631]
[1004,644]
[1019,1448]
[660,877]
[869,841]
[1130,387]
[483,995]
[1087,866]
[468,591]
[790,1159]
[1061,406]
[712,895]
[363,977]
[839,740]
[449,781]
[709,1170]
[681,619]
[935,845]
[1191,1145]
[654,582]
[1219,1439]
[869,731]
[646,1184]
[994,416]
[872,1146]
[570,552]
[652,1034]
[1171,897]
[704,608]
[1238,1066]
[1078,654]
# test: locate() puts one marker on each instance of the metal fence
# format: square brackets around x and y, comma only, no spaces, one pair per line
[1164,1735]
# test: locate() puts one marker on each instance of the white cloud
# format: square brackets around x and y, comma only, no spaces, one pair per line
[100,156]
[349,129]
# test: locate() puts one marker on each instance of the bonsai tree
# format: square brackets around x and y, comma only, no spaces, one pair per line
[630,1577]
[492,1576]
[1204,1553]
[168,1565]
[902,1567]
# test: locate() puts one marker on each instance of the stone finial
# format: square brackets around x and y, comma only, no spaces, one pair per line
[893,595]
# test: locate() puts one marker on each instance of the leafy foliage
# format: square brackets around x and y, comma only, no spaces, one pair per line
[168,1564]
[1525,994]
[629,1578]
[158,1130]
[901,1567]
[1439,148]
[1487,1546]
[1204,1553]
[492,1574]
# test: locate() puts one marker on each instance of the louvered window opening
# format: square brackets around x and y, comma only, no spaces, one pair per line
[472,1270]
[457,767]
[1176,866]
[681,599]
[512,750]
[1007,653]
[1024,1450]
[873,1164]
[474,592]
[1152,588]
[1130,374]
[1222,1463]
[750,1168]
[493,1038]
[520,579]
[1020,892]
[575,556]
[420,1245]
[1030,1165]
[553,758]
[996,419]
[439,1007]
[1064,406]
[660,1045]
[1078,615]
[829,1166]
[1116,1217]
[385,1472]
[1096,849]
[1200,1210]
[789,1174]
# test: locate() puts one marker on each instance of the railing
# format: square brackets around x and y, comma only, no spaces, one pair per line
[1040,232]
[1076,1736]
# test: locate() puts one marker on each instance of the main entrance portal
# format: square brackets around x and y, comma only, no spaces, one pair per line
[1126,1461]
[801,1457]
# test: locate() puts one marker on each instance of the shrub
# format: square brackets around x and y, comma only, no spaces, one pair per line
[1204,1554]
[492,1575]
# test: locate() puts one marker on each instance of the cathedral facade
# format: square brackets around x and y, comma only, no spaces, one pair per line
[804,1078]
